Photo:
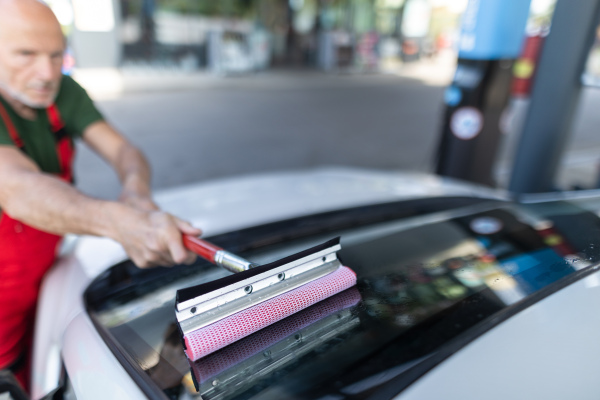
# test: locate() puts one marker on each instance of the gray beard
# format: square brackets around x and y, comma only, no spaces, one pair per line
[23,99]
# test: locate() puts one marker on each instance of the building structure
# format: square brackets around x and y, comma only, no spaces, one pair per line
[242,35]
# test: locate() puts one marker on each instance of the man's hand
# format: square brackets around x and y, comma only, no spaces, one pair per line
[154,238]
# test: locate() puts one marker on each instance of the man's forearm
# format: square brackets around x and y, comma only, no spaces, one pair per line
[47,203]
[134,171]
[150,237]
[128,162]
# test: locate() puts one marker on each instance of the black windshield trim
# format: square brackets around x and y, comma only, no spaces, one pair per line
[309,225]
[139,376]
[401,383]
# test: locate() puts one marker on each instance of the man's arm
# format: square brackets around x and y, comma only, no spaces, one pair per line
[150,238]
[133,171]
[129,163]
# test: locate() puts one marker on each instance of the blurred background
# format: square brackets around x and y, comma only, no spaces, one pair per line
[216,88]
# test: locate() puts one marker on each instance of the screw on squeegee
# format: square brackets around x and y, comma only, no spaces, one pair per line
[281,276]
[248,289]
[193,310]
[324,259]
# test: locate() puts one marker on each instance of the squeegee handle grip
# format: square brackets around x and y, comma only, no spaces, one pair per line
[204,249]
[216,255]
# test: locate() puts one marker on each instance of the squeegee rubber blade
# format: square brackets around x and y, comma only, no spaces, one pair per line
[222,333]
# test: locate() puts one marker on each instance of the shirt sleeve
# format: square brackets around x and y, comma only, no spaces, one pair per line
[76,107]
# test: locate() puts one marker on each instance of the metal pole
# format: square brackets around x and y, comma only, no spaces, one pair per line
[555,95]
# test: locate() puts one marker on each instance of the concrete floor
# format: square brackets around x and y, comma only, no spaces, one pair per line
[200,128]
[247,125]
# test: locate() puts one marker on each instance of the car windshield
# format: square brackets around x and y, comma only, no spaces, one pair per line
[433,275]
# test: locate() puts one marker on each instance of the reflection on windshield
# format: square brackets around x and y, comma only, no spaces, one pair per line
[423,282]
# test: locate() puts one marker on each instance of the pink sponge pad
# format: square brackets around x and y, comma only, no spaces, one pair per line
[206,368]
[222,333]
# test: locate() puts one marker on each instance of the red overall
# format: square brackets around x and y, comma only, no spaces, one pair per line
[26,254]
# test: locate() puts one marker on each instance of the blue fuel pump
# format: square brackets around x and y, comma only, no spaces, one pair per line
[491,39]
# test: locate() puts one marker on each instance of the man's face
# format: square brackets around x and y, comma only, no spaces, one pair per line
[31,55]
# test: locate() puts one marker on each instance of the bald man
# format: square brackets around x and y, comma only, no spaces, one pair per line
[41,113]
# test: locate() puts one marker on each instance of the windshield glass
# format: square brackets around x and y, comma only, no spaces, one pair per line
[429,281]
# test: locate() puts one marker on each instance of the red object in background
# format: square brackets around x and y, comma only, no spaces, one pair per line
[68,63]
[366,49]
[443,41]
[410,47]
[524,68]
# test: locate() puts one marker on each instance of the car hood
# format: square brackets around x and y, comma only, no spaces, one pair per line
[228,204]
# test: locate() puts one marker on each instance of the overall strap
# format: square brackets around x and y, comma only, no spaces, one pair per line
[64,145]
[12,131]
[56,122]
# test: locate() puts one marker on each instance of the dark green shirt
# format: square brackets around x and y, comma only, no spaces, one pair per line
[77,111]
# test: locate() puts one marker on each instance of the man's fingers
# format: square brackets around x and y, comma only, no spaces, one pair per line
[177,250]
[157,240]
[145,262]
[152,258]
[191,258]
[187,228]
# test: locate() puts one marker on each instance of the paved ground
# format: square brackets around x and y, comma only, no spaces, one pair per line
[203,127]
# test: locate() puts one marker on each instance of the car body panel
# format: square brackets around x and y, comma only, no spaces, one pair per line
[237,203]
[68,339]
[546,351]
[60,302]
[93,373]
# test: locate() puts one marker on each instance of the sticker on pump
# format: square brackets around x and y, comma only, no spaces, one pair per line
[486,225]
[452,96]
[466,123]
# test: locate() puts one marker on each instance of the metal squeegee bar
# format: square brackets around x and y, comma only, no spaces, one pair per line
[204,310]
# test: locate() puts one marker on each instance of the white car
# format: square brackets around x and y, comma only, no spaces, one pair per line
[462,294]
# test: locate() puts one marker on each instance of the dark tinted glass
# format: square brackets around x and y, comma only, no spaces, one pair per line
[429,281]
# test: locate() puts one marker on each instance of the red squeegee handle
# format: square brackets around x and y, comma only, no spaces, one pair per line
[201,247]
[217,255]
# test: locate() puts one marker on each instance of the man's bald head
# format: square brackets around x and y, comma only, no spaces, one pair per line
[26,14]
[31,49]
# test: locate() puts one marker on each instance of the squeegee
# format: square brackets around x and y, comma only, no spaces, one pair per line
[243,363]
[215,314]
